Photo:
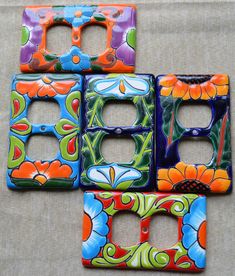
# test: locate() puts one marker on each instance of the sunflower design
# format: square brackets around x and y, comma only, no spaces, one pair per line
[203,87]
[191,178]
[44,87]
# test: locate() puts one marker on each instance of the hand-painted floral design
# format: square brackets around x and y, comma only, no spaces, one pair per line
[192,178]
[77,16]
[69,143]
[194,232]
[122,86]
[31,35]
[204,88]
[124,37]
[187,254]
[113,175]
[41,173]
[95,228]
[119,56]
[44,86]
[75,60]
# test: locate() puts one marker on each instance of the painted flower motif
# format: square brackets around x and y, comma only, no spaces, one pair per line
[69,142]
[75,60]
[190,178]
[31,35]
[194,232]
[122,86]
[124,37]
[207,88]
[95,227]
[78,17]
[41,172]
[112,175]
[44,87]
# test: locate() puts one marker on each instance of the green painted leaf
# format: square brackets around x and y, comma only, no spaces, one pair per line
[65,127]
[51,183]
[22,127]
[180,251]
[184,265]
[16,153]
[58,66]
[99,17]
[106,195]
[50,57]
[69,147]
[73,102]
[221,140]
[17,104]
[172,130]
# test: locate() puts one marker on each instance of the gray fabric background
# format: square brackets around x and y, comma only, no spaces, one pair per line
[40,232]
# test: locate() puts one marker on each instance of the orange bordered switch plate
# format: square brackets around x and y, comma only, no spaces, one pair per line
[119,21]
[99,250]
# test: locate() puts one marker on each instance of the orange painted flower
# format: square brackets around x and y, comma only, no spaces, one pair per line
[190,178]
[44,87]
[204,88]
[42,171]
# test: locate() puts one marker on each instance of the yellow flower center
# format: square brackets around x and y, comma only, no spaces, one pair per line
[122,87]
[46,80]
[76,59]
[78,13]
[112,174]
[41,179]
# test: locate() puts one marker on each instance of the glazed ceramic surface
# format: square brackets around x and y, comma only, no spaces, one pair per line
[96,171]
[119,21]
[62,172]
[173,174]
[99,250]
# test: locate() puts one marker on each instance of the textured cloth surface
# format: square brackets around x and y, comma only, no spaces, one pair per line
[40,232]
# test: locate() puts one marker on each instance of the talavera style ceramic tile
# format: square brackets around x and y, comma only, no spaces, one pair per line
[96,171]
[173,174]
[99,250]
[119,55]
[63,172]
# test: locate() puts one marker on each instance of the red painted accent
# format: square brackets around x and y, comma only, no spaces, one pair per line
[75,105]
[221,139]
[72,145]
[17,153]
[169,140]
[67,127]
[16,105]
[20,127]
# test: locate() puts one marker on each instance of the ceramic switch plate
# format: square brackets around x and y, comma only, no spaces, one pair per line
[63,172]
[172,174]
[119,55]
[96,172]
[99,250]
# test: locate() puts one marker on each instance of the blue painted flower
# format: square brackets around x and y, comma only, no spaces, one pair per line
[75,60]
[113,175]
[122,86]
[79,15]
[95,227]
[194,232]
